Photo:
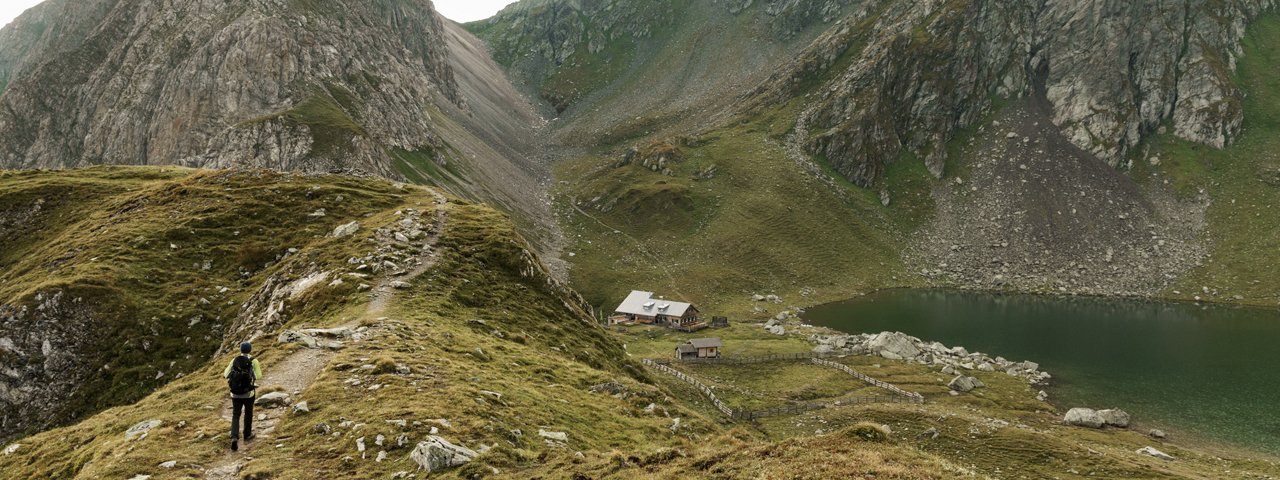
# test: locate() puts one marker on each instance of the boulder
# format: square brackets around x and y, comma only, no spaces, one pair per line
[1155,453]
[1157,433]
[301,407]
[964,383]
[141,429]
[893,346]
[1083,417]
[272,400]
[948,370]
[169,464]
[1114,417]
[290,336]
[436,454]
[559,437]
[1042,396]
[346,229]
[986,367]
[777,330]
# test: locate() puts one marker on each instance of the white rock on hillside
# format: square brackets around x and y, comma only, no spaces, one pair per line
[1114,417]
[1083,417]
[964,383]
[893,346]
[1155,453]
[141,429]
[436,454]
[346,229]
[272,400]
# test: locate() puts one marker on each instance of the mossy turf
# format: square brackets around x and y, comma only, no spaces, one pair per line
[487,350]
[760,225]
[1243,181]
[148,252]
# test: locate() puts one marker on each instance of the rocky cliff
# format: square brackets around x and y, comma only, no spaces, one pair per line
[897,77]
[284,84]
[386,87]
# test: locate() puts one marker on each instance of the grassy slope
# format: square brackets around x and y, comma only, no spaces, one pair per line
[133,244]
[759,226]
[531,346]
[533,350]
[1243,225]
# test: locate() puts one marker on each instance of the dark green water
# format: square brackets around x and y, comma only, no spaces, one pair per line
[1208,371]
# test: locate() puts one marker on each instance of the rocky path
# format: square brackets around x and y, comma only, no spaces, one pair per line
[299,370]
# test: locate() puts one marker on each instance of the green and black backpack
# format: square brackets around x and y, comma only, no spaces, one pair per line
[241,378]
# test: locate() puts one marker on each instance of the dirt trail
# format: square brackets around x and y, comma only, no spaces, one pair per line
[296,372]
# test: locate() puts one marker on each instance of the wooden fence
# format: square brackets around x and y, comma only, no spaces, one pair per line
[720,405]
[912,397]
[898,395]
[777,357]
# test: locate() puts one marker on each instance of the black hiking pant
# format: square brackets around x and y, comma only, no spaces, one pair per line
[238,404]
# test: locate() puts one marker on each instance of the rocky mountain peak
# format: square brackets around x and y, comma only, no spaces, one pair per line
[288,84]
[900,77]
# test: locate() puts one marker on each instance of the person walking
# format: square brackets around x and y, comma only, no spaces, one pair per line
[242,375]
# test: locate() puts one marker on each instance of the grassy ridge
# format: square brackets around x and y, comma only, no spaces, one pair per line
[147,253]
[492,346]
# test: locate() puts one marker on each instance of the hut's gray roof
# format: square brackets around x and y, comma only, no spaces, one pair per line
[706,343]
[643,303]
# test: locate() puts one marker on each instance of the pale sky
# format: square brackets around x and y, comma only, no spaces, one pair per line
[463,11]
[10,9]
[457,10]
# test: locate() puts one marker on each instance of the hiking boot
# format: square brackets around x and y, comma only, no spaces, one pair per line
[234,446]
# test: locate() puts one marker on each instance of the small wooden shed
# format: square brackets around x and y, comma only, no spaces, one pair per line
[699,348]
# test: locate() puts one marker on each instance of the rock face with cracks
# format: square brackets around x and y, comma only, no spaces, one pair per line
[218,84]
[902,77]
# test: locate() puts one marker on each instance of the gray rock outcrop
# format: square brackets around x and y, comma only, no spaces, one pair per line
[963,383]
[1083,417]
[141,429]
[900,346]
[272,400]
[1115,417]
[1111,72]
[436,454]
[1151,451]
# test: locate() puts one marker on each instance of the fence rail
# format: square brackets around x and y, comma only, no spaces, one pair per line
[720,405]
[777,357]
[898,395]
[912,397]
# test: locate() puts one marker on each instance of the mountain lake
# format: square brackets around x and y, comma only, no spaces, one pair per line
[1208,371]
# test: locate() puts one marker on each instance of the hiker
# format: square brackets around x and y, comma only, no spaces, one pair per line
[242,375]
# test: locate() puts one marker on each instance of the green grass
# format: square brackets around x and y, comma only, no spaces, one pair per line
[500,351]
[778,384]
[1243,230]
[331,114]
[759,226]
[486,319]
[132,245]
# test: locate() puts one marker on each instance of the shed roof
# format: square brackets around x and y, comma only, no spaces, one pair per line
[706,343]
[686,348]
[643,303]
